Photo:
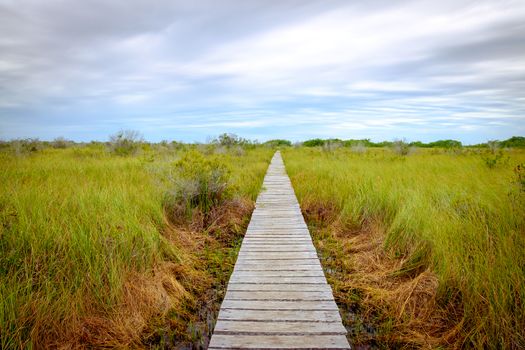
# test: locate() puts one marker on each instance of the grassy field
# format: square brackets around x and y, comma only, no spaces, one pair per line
[97,249]
[101,247]
[422,250]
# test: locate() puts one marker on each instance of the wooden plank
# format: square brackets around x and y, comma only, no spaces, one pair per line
[277,249]
[278,231]
[280,280]
[274,255]
[276,262]
[277,265]
[280,267]
[222,341]
[279,305]
[279,295]
[280,246]
[277,274]
[270,242]
[279,315]
[285,328]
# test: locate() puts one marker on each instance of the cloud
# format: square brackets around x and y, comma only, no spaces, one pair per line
[296,69]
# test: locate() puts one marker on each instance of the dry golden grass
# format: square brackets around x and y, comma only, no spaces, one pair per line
[366,282]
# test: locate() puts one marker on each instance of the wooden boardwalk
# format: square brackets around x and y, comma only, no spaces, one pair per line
[277,296]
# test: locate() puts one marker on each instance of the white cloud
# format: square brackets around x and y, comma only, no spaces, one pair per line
[326,67]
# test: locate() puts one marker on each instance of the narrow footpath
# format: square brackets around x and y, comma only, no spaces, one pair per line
[277,296]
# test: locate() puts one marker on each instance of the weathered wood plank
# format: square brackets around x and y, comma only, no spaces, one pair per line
[279,305]
[281,267]
[221,341]
[276,247]
[239,274]
[278,255]
[279,315]
[280,280]
[285,328]
[279,295]
[279,287]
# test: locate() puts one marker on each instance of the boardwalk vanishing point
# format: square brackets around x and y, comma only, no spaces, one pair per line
[277,296]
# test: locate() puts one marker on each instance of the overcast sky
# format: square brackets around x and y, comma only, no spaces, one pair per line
[186,70]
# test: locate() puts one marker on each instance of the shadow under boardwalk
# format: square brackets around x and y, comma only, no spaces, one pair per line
[277,296]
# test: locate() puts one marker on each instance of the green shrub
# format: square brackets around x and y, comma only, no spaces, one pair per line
[331,145]
[401,147]
[515,141]
[494,146]
[313,143]
[125,142]
[359,148]
[26,146]
[199,181]
[278,143]
[60,142]
[494,158]
[229,140]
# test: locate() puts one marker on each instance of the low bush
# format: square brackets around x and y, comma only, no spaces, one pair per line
[330,145]
[198,181]
[125,142]
[359,148]
[401,147]
[26,146]
[61,142]
[278,143]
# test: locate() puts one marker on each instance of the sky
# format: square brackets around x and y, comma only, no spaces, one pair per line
[263,69]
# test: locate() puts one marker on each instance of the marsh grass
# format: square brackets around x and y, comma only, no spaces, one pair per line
[88,257]
[430,248]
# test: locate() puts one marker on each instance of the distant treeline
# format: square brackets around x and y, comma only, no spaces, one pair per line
[515,141]
[126,137]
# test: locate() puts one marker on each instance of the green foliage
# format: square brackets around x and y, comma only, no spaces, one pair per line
[494,158]
[61,142]
[493,146]
[383,144]
[125,142]
[514,142]
[358,142]
[200,181]
[278,143]
[26,146]
[359,148]
[400,147]
[438,144]
[314,143]
[331,145]
[230,140]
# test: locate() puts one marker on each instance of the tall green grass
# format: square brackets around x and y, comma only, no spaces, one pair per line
[447,211]
[75,223]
